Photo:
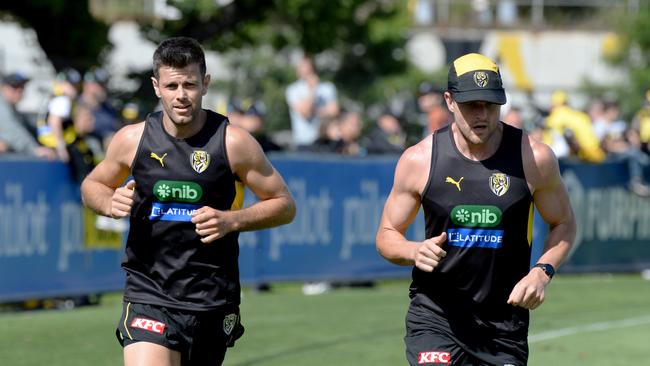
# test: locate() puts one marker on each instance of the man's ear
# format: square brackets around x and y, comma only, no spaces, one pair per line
[154,82]
[449,100]
[206,83]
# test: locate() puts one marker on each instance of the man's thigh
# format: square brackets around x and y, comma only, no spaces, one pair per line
[433,349]
[146,353]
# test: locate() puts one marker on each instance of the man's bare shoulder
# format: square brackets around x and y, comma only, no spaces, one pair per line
[242,148]
[130,133]
[412,170]
[238,138]
[125,143]
[418,154]
[540,164]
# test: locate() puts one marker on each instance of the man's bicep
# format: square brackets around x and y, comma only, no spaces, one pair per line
[550,194]
[115,168]
[109,173]
[251,166]
[264,181]
[400,210]
[552,202]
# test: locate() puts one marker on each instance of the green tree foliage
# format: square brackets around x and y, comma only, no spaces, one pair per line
[634,55]
[361,42]
[67,33]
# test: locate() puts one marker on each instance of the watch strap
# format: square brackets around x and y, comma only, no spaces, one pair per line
[547,268]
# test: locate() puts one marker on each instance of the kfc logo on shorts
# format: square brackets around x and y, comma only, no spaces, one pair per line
[147,324]
[434,357]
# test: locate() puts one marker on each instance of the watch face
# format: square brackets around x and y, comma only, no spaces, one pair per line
[547,268]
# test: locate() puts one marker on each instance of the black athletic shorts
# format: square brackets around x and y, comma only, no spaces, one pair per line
[201,337]
[431,339]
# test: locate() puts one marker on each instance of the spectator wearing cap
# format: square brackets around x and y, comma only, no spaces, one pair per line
[249,115]
[387,136]
[15,136]
[57,130]
[13,90]
[94,95]
[577,128]
[433,108]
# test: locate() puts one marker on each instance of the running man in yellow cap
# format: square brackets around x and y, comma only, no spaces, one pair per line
[477,181]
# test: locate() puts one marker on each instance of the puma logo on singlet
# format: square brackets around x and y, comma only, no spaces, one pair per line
[159,158]
[452,181]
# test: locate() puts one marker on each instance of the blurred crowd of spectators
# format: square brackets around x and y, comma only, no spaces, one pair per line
[78,121]
[74,125]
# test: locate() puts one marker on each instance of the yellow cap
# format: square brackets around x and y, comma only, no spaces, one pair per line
[559,97]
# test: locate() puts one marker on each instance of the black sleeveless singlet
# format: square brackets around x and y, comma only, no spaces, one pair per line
[486,208]
[166,263]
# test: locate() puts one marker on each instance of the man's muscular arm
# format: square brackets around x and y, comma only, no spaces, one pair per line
[552,202]
[248,162]
[401,207]
[100,190]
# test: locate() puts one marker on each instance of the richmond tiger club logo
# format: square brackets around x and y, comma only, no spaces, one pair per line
[499,183]
[200,160]
[229,323]
[481,79]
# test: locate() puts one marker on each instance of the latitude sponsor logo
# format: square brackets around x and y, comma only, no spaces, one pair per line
[476,215]
[176,190]
[148,324]
[475,238]
[434,357]
[172,211]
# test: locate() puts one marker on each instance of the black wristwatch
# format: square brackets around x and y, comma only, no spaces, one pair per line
[547,268]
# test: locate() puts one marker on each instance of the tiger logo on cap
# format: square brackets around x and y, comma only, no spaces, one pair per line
[481,79]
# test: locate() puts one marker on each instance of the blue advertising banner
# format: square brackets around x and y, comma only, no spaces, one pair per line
[51,246]
[333,236]
[613,224]
[44,247]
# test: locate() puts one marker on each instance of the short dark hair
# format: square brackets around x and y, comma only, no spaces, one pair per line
[178,52]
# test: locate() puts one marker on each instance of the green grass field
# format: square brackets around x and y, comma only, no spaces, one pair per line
[586,320]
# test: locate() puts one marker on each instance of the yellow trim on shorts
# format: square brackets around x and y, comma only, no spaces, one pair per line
[126,316]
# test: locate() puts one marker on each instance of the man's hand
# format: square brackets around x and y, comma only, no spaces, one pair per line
[122,200]
[529,292]
[430,253]
[212,224]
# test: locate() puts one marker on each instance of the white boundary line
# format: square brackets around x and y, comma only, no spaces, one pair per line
[594,327]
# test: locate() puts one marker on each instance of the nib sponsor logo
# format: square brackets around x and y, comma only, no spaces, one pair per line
[178,191]
[476,216]
[434,357]
[148,324]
